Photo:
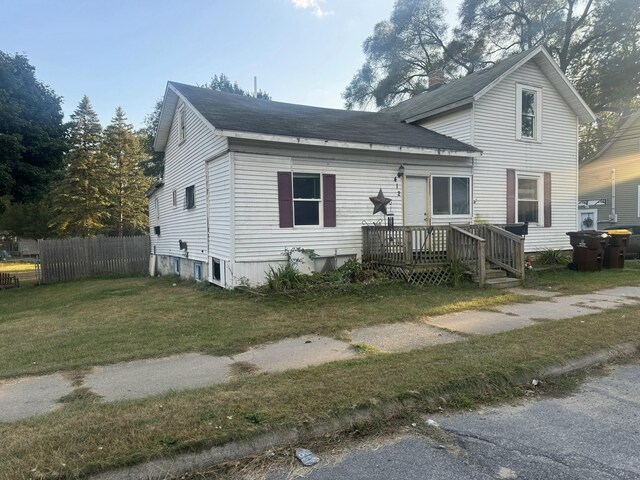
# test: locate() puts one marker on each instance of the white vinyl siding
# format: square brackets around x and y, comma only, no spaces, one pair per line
[220,208]
[185,166]
[456,124]
[494,132]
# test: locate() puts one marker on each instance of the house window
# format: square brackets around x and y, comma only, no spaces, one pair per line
[190,197]
[217,274]
[182,125]
[197,271]
[175,198]
[176,265]
[528,118]
[529,198]
[157,207]
[306,199]
[451,195]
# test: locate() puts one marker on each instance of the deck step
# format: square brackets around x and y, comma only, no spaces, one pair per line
[495,273]
[505,282]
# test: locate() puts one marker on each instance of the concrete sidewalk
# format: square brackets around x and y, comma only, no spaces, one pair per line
[27,397]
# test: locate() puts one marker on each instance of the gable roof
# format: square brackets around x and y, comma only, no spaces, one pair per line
[633,118]
[465,90]
[233,115]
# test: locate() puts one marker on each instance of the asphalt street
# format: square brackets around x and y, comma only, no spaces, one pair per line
[592,434]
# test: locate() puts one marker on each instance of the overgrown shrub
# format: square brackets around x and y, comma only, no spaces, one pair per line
[549,256]
[284,278]
[459,271]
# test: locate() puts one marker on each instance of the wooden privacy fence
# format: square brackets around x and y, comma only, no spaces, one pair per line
[73,258]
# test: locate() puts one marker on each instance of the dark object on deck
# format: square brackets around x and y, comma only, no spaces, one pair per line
[8,281]
[588,249]
[518,228]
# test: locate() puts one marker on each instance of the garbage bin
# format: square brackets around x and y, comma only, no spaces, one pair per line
[588,249]
[615,251]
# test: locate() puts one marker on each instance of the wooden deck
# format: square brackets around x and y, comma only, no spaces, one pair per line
[413,249]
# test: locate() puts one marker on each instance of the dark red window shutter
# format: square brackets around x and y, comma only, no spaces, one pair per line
[547,199]
[511,196]
[329,199]
[285,199]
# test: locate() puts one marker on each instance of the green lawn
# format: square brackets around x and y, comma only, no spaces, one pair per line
[79,324]
[84,437]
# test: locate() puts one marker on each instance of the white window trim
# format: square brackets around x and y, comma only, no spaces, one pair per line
[450,215]
[320,201]
[539,177]
[537,138]
[157,207]
[222,263]
[182,124]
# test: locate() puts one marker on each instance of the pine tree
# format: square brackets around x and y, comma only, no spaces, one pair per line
[82,197]
[128,214]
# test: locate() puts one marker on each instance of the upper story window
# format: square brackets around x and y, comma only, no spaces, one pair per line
[190,197]
[529,199]
[182,124]
[157,207]
[174,196]
[306,198]
[529,113]
[451,195]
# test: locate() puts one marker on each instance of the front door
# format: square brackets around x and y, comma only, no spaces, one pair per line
[416,201]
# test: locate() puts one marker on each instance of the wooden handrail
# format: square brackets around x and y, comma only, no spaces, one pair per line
[467,233]
[504,232]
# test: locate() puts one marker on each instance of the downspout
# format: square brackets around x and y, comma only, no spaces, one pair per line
[614,217]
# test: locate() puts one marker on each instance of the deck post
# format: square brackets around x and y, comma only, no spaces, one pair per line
[450,244]
[408,247]
[482,274]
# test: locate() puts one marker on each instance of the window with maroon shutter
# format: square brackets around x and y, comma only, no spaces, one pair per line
[285,199]
[547,199]
[329,199]
[529,198]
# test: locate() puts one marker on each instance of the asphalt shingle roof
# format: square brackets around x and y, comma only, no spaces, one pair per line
[452,93]
[247,114]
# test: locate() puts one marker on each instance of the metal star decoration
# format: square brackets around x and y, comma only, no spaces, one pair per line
[380,203]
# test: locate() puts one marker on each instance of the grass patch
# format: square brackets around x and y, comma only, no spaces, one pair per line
[83,394]
[80,324]
[571,282]
[240,369]
[365,348]
[92,437]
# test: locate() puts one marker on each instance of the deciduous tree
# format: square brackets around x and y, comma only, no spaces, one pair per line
[32,134]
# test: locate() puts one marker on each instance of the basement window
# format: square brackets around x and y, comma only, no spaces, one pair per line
[190,197]
[197,271]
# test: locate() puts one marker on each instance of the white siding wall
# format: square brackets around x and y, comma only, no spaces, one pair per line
[220,208]
[495,134]
[184,166]
[260,242]
[456,125]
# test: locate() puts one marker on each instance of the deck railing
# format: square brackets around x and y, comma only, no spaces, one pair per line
[469,249]
[424,246]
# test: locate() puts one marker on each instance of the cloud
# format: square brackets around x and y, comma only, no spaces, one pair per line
[314,6]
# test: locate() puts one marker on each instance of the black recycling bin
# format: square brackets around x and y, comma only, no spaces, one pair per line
[616,249]
[588,249]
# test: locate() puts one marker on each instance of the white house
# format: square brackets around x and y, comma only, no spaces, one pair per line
[245,179]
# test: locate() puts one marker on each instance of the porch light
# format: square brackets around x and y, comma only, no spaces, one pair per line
[401,170]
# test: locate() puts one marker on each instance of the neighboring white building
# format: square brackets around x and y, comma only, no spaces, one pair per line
[245,179]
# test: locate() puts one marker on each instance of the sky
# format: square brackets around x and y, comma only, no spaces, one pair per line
[122,53]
